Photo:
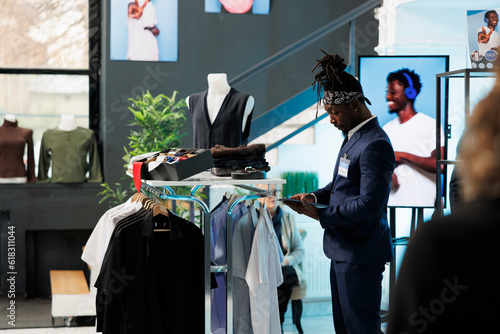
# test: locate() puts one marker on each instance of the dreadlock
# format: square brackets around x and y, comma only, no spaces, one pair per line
[332,76]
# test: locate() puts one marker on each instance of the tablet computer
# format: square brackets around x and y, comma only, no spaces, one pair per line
[291,200]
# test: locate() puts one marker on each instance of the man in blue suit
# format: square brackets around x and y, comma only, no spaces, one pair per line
[357,238]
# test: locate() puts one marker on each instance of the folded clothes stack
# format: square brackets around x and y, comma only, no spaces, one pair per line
[233,159]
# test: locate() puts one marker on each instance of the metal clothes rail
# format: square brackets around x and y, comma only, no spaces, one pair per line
[162,190]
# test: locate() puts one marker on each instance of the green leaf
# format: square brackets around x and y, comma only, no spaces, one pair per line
[158,123]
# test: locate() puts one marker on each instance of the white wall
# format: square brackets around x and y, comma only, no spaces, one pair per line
[435,27]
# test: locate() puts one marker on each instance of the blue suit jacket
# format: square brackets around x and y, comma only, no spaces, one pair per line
[356,228]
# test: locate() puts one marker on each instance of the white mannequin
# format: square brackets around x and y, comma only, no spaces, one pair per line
[68,123]
[218,88]
[10,117]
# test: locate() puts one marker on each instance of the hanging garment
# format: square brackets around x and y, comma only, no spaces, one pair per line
[218,244]
[220,249]
[242,245]
[263,277]
[98,242]
[218,295]
[152,282]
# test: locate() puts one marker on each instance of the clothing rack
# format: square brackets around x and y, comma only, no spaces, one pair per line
[162,190]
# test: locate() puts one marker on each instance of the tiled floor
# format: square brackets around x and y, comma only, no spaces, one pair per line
[316,319]
[59,330]
[314,324]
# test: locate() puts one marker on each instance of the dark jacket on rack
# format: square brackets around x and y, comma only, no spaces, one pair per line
[152,282]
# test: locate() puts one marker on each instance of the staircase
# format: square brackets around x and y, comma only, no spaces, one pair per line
[292,121]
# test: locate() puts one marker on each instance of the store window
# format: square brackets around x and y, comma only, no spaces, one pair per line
[44,34]
[44,63]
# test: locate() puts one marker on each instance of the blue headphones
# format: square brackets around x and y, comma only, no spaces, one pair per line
[486,16]
[410,91]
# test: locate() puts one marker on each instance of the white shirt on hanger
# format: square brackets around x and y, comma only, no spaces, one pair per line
[97,244]
[263,277]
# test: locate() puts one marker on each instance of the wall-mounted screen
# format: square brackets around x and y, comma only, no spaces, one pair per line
[237,6]
[402,90]
[144,30]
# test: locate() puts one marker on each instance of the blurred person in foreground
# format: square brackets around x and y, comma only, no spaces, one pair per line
[448,281]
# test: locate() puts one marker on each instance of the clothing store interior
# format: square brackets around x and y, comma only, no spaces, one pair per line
[129,128]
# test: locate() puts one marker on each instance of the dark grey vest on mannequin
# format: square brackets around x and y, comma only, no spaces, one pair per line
[227,127]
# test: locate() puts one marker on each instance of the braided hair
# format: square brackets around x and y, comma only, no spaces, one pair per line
[334,81]
[332,76]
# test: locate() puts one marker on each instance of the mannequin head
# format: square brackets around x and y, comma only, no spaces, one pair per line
[11,118]
[68,123]
[217,83]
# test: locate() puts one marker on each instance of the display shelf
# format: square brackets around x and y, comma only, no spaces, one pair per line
[212,181]
[466,74]
[206,179]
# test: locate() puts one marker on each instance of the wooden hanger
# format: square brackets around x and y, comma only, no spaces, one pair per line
[232,198]
[134,197]
[137,197]
[145,202]
[150,204]
[159,209]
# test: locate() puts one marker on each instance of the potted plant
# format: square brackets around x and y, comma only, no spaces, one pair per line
[158,123]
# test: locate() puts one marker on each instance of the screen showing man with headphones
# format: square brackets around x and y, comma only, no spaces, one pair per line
[413,137]
[484,39]
[487,37]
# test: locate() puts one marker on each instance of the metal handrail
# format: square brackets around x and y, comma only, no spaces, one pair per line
[348,17]
[302,43]
[296,132]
